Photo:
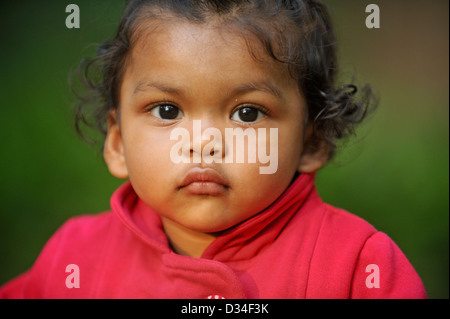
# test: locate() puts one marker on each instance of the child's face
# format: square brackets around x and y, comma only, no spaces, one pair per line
[179,72]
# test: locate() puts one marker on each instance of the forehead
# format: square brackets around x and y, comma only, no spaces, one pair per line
[177,49]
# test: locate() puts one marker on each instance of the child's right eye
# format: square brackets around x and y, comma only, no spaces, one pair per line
[167,112]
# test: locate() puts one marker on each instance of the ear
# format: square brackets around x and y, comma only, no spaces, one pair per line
[315,153]
[113,152]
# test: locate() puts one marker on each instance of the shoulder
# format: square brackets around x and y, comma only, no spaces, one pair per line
[348,249]
[382,270]
[339,224]
[85,227]
[79,241]
[341,237]
[337,236]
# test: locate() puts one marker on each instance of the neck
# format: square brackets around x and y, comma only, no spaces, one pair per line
[186,241]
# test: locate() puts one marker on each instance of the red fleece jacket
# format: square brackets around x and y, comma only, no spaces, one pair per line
[299,247]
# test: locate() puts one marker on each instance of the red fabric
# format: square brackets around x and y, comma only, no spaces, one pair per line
[299,247]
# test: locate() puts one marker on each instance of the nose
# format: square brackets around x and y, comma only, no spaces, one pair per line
[207,144]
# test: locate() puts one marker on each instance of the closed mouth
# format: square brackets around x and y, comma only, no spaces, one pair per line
[203,181]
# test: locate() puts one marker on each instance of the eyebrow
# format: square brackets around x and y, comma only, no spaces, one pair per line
[145,85]
[263,86]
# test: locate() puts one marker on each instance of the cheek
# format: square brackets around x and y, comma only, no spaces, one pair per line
[147,157]
[263,189]
[253,191]
[290,146]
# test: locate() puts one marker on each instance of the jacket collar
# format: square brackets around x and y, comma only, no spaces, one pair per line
[240,242]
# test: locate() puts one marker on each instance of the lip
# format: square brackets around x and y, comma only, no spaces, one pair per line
[203,181]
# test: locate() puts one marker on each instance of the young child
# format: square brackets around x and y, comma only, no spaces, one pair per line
[199,216]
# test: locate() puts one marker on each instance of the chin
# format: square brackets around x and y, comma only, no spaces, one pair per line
[209,224]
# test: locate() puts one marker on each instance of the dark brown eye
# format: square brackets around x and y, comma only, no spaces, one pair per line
[167,112]
[247,114]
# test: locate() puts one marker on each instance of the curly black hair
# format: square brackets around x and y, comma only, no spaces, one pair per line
[295,32]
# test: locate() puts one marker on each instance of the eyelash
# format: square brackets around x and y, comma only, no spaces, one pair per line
[151,106]
[258,107]
[160,121]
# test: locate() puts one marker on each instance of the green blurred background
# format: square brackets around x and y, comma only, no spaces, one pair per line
[394,173]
